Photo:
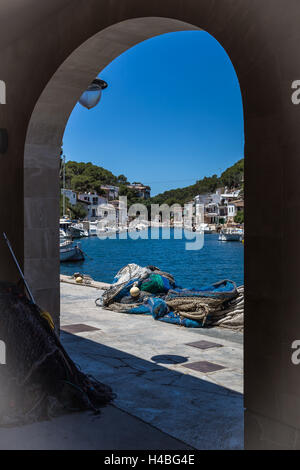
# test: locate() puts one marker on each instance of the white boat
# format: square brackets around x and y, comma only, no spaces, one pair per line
[62,234]
[141,226]
[122,229]
[204,228]
[64,227]
[231,235]
[93,229]
[70,252]
[105,231]
[77,231]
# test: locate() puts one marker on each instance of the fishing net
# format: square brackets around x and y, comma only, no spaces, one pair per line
[39,379]
[221,304]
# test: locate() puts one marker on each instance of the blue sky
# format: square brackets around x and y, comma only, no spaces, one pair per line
[172,113]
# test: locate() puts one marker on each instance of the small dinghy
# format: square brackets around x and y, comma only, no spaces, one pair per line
[70,252]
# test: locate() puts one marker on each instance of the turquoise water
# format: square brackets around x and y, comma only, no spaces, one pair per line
[195,268]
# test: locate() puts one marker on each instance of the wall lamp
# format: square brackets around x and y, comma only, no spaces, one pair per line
[91,97]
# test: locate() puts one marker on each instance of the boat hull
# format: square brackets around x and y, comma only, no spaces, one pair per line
[230,237]
[71,254]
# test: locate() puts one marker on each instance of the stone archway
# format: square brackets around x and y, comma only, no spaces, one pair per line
[43,143]
[45,66]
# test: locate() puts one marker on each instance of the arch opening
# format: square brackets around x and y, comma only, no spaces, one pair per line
[45,134]
[43,144]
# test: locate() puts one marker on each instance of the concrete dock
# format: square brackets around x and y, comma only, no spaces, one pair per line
[163,400]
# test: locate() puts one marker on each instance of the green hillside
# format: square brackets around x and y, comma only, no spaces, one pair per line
[232,178]
[87,177]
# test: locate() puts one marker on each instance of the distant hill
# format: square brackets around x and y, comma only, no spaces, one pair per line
[233,177]
[85,177]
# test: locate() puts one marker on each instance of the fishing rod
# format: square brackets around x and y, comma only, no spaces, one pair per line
[18,267]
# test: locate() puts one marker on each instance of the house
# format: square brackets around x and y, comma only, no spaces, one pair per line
[112,192]
[120,212]
[71,195]
[142,191]
[211,213]
[231,211]
[221,206]
[108,214]
[176,215]
[227,197]
[93,204]
[210,205]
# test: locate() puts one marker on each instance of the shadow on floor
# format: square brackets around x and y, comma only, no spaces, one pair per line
[200,413]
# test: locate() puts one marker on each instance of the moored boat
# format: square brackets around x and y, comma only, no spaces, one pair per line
[231,235]
[64,227]
[206,228]
[77,231]
[70,252]
[93,227]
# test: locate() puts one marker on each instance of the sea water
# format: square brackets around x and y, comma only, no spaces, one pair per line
[191,268]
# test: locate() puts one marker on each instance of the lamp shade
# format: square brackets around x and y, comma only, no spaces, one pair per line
[91,97]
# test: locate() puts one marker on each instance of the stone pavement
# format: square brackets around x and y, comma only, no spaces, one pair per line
[112,430]
[144,361]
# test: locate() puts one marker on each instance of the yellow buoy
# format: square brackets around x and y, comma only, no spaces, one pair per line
[134,291]
[79,279]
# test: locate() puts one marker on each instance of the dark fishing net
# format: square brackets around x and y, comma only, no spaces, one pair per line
[39,379]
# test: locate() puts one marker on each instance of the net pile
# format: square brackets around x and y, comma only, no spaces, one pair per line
[212,312]
[220,304]
[39,379]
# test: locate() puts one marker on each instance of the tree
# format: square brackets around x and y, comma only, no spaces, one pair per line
[130,194]
[78,211]
[81,183]
[84,177]
[239,218]
[121,179]
[233,176]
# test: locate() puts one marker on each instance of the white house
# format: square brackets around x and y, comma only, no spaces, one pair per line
[93,204]
[71,195]
[112,192]
[231,210]
[142,191]
[220,206]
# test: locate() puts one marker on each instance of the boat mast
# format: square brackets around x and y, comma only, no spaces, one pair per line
[64,185]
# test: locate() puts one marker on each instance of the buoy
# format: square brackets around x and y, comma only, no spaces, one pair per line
[134,291]
[79,279]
